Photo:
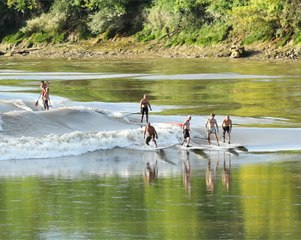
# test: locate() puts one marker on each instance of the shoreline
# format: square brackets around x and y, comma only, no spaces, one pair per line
[130,48]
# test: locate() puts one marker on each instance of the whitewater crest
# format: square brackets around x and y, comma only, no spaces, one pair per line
[67,131]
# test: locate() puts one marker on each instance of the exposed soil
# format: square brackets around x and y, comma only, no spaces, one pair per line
[129,47]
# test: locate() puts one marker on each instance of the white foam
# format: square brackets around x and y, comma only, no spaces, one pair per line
[205,76]
[1,124]
[76,143]
[46,76]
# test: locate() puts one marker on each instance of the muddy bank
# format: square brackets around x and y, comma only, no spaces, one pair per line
[128,47]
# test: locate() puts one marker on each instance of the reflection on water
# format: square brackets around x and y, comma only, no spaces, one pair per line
[187,172]
[151,172]
[211,175]
[226,174]
[240,199]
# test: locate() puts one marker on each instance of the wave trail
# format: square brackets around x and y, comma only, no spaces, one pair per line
[76,143]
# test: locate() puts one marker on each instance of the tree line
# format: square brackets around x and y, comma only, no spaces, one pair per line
[198,22]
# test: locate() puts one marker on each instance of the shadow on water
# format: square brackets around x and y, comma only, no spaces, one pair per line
[161,154]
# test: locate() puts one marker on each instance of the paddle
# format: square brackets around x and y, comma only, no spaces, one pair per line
[37,102]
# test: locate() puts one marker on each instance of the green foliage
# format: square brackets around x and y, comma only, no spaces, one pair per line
[37,38]
[14,38]
[214,33]
[173,15]
[201,22]
[47,23]
[119,16]
[106,19]
[298,37]
[23,5]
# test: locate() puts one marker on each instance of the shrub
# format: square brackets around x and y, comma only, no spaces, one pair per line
[107,20]
[213,33]
[46,23]
[14,38]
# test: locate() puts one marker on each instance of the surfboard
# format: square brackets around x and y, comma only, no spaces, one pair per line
[159,148]
[191,147]
[232,148]
[228,146]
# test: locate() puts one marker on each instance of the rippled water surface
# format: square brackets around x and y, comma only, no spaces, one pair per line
[92,183]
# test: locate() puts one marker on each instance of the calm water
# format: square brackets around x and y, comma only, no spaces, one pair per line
[196,194]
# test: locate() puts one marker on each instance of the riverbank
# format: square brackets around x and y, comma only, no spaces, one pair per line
[129,47]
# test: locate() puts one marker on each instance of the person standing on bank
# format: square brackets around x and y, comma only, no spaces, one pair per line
[227,128]
[144,105]
[186,131]
[212,127]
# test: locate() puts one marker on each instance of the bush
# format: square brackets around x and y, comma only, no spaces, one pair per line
[212,34]
[107,20]
[46,23]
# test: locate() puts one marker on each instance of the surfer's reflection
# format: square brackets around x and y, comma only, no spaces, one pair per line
[211,176]
[150,172]
[226,173]
[186,173]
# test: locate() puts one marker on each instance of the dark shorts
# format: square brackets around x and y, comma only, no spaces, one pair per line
[226,129]
[186,133]
[144,110]
[149,138]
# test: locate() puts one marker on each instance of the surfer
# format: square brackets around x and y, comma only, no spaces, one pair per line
[46,98]
[152,134]
[45,94]
[227,128]
[43,87]
[186,131]
[144,105]
[212,127]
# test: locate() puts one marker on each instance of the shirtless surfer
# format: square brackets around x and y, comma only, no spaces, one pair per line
[212,127]
[227,128]
[46,98]
[144,105]
[152,134]
[186,131]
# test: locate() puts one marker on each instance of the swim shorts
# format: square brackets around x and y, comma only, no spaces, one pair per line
[186,133]
[211,130]
[149,138]
[226,129]
[144,110]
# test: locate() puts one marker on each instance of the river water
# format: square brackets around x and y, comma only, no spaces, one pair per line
[79,171]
